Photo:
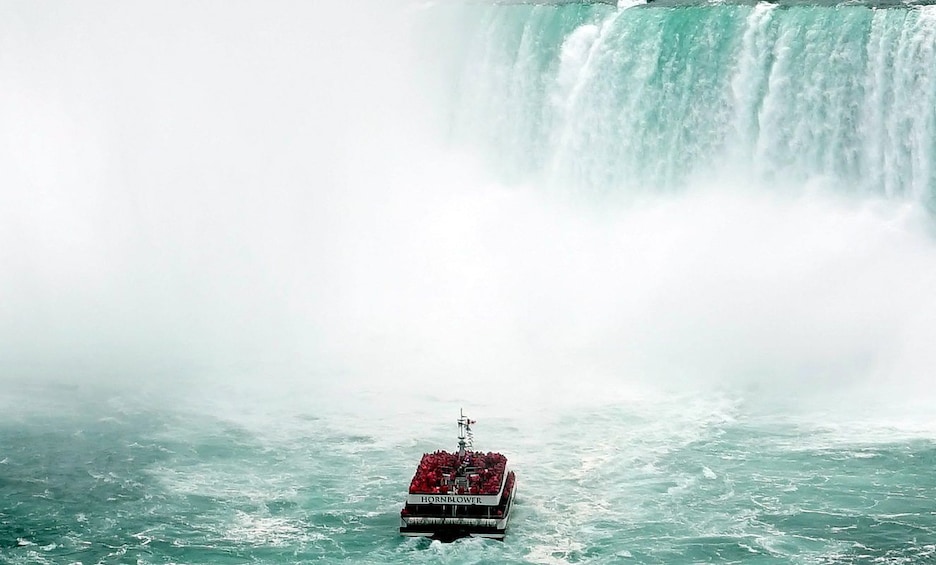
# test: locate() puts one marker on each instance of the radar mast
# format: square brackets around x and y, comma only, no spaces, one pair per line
[465,436]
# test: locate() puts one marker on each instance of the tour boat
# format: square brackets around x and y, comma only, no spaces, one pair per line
[455,495]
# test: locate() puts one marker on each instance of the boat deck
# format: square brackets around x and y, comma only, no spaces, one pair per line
[442,473]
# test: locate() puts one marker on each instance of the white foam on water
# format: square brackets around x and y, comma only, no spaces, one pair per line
[269,531]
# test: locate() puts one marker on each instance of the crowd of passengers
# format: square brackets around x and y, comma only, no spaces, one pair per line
[484,470]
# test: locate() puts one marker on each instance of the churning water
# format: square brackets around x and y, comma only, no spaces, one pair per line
[677,260]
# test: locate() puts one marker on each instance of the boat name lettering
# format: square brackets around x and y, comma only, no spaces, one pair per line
[449,499]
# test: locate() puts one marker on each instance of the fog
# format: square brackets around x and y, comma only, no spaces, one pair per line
[230,190]
[179,179]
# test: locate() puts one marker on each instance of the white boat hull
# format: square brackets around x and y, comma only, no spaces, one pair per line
[450,528]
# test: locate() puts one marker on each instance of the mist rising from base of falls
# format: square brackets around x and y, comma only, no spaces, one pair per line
[513,292]
[232,201]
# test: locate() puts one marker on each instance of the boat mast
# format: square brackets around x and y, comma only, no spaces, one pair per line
[465,437]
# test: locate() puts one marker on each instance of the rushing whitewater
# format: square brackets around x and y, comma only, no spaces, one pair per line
[642,99]
[677,260]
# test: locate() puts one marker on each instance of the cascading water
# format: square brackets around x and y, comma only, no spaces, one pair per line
[650,98]
[677,259]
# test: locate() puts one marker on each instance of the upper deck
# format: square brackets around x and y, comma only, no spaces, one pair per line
[439,473]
